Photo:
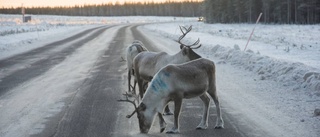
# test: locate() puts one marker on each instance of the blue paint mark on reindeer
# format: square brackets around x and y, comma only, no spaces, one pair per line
[158,84]
[166,73]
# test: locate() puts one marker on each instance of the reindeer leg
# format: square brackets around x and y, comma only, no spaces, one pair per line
[129,81]
[220,123]
[134,87]
[162,123]
[140,85]
[167,111]
[129,93]
[145,85]
[177,108]
[204,121]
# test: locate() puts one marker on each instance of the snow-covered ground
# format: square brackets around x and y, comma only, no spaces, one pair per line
[284,58]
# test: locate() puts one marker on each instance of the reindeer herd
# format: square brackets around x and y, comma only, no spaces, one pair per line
[163,78]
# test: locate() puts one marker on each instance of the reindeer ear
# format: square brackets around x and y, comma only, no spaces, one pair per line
[181,46]
[142,106]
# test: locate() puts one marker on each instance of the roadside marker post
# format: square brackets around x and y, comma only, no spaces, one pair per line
[252,31]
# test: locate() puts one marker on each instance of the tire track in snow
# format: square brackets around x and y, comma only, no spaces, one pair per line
[41,59]
[92,111]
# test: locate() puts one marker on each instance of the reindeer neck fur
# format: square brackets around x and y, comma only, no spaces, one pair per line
[193,55]
[177,58]
[154,102]
[156,96]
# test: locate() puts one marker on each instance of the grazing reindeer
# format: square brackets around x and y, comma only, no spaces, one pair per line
[147,64]
[173,83]
[132,51]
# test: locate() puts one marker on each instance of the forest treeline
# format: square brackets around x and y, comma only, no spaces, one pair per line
[169,8]
[214,11]
[274,11]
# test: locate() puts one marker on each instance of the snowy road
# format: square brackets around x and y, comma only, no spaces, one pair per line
[70,87]
[38,84]
[23,67]
[71,90]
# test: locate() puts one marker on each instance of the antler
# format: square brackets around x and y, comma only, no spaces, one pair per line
[184,34]
[132,102]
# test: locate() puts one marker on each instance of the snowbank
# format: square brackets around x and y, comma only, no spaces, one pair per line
[298,68]
[291,74]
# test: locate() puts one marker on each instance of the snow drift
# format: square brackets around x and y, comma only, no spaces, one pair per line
[293,74]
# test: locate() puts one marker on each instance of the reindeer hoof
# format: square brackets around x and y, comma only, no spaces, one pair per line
[218,127]
[200,128]
[167,113]
[162,129]
[172,132]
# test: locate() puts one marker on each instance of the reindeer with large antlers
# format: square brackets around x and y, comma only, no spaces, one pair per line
[173,83]
[147,64]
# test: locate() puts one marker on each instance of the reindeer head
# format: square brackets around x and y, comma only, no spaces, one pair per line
[145,116]
[187,49]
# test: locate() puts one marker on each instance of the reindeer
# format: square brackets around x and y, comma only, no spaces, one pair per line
[173,83]
[133,50]
[147,64]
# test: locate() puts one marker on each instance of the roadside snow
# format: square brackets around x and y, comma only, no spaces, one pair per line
[18,43]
